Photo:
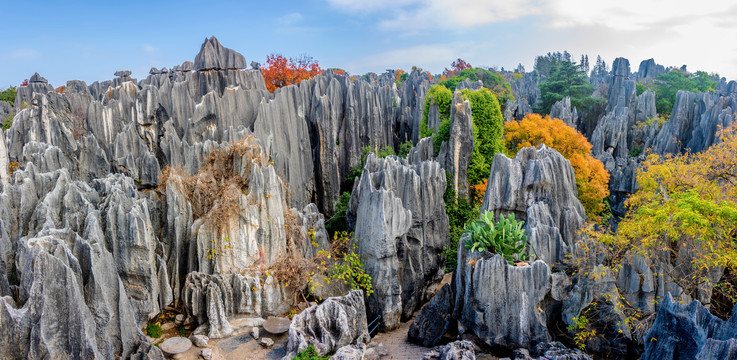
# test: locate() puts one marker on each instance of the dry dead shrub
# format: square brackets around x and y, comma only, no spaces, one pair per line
[215,190]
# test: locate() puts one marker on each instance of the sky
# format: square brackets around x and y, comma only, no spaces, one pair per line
[91,40]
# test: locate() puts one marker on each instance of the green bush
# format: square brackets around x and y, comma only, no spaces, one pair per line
[505,237]
[492,81]
[460,213]
[8,122]
[488,127]
[310,354]
[440,95]
[405,148]
[8,95]
[667,86]
[339,221]
[154,330]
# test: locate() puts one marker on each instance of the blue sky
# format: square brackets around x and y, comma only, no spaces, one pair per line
[91,40]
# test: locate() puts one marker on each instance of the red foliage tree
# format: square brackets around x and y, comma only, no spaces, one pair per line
[281,71]
[61,89]
[456,67]
[24,83]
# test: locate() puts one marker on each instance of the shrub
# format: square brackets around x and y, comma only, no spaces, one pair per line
[8,122]
[667,86]
[592,179]
[348,266]
[460,214]
[504,237]
[8,95]
[154,330]
[404,149]
[492,81]
[310,354]
[339,221]
[437,94]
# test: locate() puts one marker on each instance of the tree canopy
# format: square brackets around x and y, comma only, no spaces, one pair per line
[492,81]
[280,71]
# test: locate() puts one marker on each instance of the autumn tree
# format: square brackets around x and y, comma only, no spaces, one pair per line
[591,178]
[456,67]
[280,71]
[683,219]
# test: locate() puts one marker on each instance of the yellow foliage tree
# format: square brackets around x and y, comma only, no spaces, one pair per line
[592,179]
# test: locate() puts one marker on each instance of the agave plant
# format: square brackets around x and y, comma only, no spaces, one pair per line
[504,237]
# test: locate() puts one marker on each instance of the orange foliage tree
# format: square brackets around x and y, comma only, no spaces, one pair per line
[281,71]
[592,179]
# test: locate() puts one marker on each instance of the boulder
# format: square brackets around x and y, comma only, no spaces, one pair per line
[350,352]
[337,322]
[457,350]
[434,319]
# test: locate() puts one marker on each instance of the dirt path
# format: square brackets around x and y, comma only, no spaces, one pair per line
[397,345]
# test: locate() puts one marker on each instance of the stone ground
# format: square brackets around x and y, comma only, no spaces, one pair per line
[241,346]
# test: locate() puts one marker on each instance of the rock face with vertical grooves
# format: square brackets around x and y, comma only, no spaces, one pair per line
[460,145]
[398,212]
[689,331]
[538,186]
[499,303]
[337,322]
[214,56]
[434,320]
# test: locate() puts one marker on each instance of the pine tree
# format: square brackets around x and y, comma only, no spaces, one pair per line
[566,79]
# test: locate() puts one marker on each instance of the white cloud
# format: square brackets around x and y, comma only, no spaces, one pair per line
[149,49]
[432,57]
[370,6]
[21,54]
[674,32]
[290,19]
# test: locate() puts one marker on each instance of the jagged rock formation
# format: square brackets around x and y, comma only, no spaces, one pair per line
[457,154]
[398,212]
[526,92]
[539,187]
[649,69]
[337,322]
[562,110]
[689,331]
[469,84]
[501,304]
[213,56]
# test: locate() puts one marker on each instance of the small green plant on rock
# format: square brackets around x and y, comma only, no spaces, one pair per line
[154,330]
[505,237]
[310,354]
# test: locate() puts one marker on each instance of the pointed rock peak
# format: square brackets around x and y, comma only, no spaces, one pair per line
[621,67]
[36,78]
[214,56]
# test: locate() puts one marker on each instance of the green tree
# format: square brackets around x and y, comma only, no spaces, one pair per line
[566,79]
[8,95]
[667,86]
[437,94]
[488,127]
